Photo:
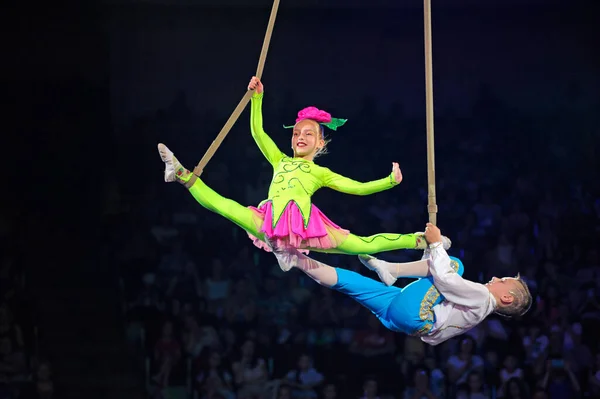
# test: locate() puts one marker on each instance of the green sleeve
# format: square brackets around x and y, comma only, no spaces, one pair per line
[348,186]
[264,142]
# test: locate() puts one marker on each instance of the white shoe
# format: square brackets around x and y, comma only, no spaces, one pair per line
[446,243]
[285,259]
[171,163]
[378,267]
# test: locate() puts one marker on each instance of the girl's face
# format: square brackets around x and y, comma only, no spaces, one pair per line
[306,139]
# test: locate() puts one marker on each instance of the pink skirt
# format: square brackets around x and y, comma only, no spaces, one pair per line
[290,230]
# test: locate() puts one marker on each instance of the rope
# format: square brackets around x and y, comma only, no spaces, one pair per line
[245,99]
[431,204]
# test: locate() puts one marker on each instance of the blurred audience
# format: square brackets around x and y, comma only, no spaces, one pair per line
[219,318]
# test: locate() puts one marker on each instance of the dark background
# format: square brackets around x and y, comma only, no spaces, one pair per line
[91,88]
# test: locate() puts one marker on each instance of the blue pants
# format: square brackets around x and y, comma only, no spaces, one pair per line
[407,310]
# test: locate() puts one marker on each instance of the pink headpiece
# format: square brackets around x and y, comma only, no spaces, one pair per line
[321,117]
[315,114]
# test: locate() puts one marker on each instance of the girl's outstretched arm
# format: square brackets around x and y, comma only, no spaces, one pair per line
[348,186]
[264,142]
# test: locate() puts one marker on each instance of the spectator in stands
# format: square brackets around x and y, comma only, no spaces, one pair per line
[173,265]
[373,347]
[593,378]
[488,212]
[323,309]
[370,389]
[460,366]
[508,372]
[535,344]
[197,339]
[165,232]
[516,388]
[185,285]
[559,380]
[329,392]
[540,394]
[437,379]
[421,386]
[42,386]
[167,354]
[250,372]
[214,377]
[13,362]
[274,304]
[589,312]
[147,303]
[241,310]
[474,387]
[305,379]
[9,329]
[284,392]
[577,353]
[9,279]
[217,285]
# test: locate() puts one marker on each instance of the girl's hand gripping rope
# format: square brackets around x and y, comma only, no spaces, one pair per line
[397,172]
[256,84]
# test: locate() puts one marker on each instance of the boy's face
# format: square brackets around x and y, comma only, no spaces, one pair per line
[501,288]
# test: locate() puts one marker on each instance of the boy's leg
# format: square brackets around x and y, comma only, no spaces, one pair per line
[372,294]
[207,197]
[414,306]
[388,272]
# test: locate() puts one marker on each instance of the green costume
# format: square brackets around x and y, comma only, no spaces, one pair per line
[288,217]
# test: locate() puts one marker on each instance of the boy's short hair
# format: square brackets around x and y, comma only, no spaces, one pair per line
[522,300]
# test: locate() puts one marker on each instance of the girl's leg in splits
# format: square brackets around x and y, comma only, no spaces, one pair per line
[357,245]
[238,214]
[207,197]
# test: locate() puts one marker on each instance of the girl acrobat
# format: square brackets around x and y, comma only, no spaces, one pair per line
[287,218]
